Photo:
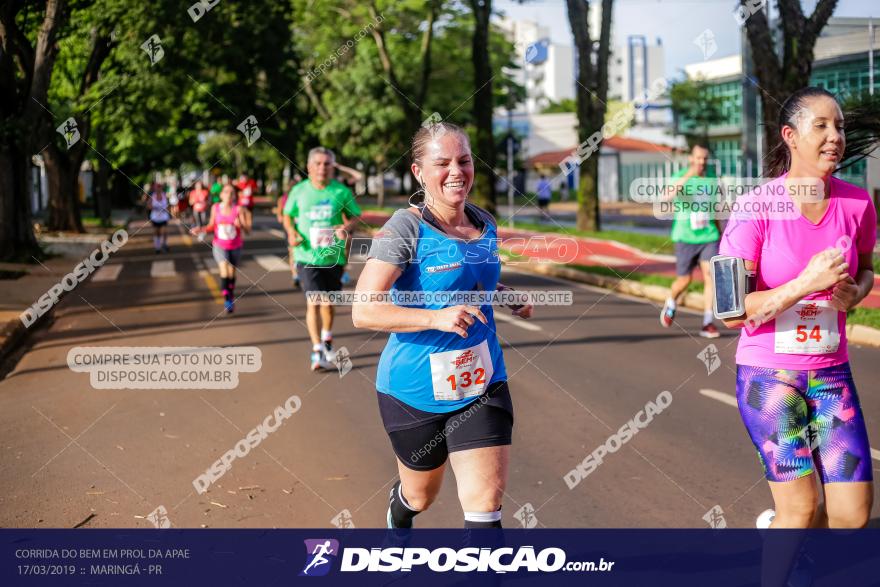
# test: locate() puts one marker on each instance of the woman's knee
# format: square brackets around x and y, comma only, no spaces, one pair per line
[798,510]
[486,498]
[850,516]
[419,498]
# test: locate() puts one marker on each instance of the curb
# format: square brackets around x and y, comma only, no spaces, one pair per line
[13,332]
[855,333]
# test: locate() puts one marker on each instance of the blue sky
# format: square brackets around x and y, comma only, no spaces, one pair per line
[676,22]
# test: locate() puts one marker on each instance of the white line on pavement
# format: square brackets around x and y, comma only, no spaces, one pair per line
[720,396]
[108,272]
[731,401]
[272,263]
[278,233]
[162,269]
[525,325]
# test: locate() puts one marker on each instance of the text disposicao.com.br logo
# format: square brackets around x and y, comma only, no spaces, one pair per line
[321,554]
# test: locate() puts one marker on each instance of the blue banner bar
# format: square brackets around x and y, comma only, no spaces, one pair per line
[717,558]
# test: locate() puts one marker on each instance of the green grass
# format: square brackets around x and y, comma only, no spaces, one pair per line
[865,316]
[95,222]
[646,242]
[646,278]
[386,209]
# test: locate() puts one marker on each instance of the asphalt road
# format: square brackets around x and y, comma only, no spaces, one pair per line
[71,454]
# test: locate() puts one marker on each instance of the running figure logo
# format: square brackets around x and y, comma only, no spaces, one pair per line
[715,518]
[343,520]
[526,516]
[706,42]
[153,48]
[710,358]
[342,361]
[250,130]
[811,436]
[159,517]
[69,131]
[320,554]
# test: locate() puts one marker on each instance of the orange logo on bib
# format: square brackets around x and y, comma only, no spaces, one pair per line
[465,358]
[809,311]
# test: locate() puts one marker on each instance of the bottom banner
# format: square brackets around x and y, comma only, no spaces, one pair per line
[440,557]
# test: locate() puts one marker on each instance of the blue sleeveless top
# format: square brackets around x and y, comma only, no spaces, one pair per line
[431,370]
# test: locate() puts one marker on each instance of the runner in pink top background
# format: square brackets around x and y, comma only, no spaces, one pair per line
[784,246]
[227,222]
[813,258]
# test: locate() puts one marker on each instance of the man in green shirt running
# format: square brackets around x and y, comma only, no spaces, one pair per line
[319,214]
[696,234]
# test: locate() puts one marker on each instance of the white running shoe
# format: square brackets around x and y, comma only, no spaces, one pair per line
[319,361]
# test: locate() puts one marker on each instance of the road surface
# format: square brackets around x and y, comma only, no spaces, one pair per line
[72,454]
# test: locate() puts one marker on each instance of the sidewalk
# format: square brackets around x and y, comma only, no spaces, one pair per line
[17,295]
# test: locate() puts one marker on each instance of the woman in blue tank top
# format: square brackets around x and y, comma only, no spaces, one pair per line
[441,382]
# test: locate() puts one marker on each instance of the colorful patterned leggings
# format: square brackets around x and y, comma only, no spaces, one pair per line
[801,421]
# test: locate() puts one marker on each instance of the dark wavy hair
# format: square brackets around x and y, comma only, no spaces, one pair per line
[862,116]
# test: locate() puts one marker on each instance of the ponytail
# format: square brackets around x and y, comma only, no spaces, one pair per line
[862,117]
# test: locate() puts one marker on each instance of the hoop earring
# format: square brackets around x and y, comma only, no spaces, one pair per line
[416,193]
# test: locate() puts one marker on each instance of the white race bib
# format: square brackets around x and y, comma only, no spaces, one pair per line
[226,232]
[462,373]
[808,328]
[321,237]
[699,220]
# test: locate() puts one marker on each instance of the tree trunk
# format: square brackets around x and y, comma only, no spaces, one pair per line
[780,76]
[588,195]
[17,240]
[63,179]
[101,188]
[592,96]
[484,156]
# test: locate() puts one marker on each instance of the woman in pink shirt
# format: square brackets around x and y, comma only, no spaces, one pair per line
[227,222]
[810,238]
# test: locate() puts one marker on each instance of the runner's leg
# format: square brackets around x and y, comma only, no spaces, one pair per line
[313,323]
[481,477]
[420,488]
[849,504]
[327,315]
[795,502]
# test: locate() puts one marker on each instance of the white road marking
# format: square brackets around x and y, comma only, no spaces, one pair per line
[731,401]
[272,263]
[724,398]
[278,233]
[524,324]
[162,269]
[108,272]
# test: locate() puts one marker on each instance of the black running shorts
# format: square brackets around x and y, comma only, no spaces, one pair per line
[423,440]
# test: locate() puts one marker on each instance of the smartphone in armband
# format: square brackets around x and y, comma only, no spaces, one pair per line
[732,284]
